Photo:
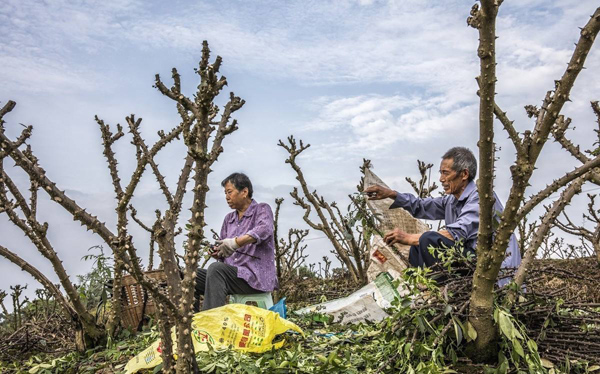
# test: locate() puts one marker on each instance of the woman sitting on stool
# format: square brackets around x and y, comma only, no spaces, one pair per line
[245,255]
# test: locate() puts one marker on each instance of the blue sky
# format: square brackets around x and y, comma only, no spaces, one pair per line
[392,81]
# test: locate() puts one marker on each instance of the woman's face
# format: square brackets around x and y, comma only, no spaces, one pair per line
[236,199]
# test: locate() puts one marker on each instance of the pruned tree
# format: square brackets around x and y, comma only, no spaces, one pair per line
[551,246]
[350,247]
[3,295]
[289,254]
[23,214]
[44,303]
[525,230]
[493,238]
[202,131]
[151,230]
[423,188]
[590,238]
[324,271]
[18,304]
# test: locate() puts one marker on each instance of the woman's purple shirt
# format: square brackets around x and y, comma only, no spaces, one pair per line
[257,222]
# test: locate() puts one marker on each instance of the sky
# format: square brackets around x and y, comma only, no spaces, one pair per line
[390,81]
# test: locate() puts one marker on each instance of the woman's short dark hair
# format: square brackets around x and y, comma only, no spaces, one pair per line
[463,159]
[239,181]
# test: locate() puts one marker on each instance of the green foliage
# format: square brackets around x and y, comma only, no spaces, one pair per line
[304,272]
[92,289]
[451,257]
[426,333]
[517,350]
[359,213]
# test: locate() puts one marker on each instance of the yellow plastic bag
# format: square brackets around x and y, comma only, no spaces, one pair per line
[238,326]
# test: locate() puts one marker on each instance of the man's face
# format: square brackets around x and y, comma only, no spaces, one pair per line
[235,198]
[453,182]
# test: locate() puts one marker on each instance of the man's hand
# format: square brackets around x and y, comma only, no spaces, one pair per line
[401,237]
[226,247]
[377,192]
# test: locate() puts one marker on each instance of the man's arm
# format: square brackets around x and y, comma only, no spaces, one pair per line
[466,225]
[400,237]
[378,192]
[432,208]
[446,234]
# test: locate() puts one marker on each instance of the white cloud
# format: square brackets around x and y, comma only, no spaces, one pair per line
[380,42]
[315,43]
[378,122]
[44,43]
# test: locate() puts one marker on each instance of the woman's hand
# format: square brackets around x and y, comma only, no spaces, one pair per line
[226,247]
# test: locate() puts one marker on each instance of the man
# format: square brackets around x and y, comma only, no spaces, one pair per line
[246,254]
[459,208]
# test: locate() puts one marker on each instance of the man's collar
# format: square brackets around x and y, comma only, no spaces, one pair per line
[248,213]
[468,190]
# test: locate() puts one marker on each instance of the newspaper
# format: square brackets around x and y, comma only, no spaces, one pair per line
[384,258]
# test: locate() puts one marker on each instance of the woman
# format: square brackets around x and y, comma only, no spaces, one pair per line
[246,252]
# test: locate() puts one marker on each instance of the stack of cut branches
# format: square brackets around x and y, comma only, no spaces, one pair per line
[564,324]
[574,279]
[39,334]
[570,330]
[314,290]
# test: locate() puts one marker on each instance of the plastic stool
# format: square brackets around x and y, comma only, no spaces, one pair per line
[262,300]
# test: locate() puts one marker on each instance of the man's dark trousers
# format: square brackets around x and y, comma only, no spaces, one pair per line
[419,255]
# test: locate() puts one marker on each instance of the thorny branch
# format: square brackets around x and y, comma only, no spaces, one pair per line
[289,255]
[343,241]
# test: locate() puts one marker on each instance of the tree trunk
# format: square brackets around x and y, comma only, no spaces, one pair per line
[114,318]
[483,348]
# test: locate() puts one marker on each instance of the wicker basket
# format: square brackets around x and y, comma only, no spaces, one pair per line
[135,304]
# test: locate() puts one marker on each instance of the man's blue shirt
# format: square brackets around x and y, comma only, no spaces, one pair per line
[461,216]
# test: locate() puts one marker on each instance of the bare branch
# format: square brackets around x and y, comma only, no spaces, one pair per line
[40,277]
[138,221]
[340,244]
[8,107]
[175,93]
[108,139]
[508,125]
[555,186]
[558,131]
[139,141]
[570,228]
[554,102]
[419,188]
[307,209]
[38,174]
[234,104]
[36,233]
[184,177]
[542,231]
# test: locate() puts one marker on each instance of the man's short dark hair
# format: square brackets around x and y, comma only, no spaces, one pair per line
[463,159]
[239,181]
